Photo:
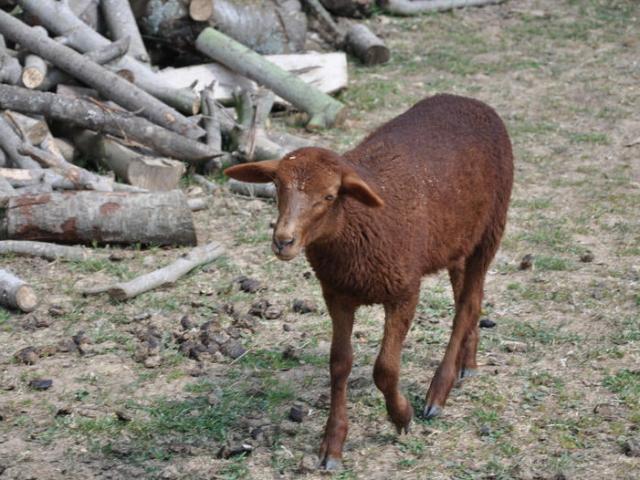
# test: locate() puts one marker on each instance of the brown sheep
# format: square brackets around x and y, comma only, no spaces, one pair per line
[426,191]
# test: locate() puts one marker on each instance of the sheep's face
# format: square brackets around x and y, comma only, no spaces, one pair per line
[311,185]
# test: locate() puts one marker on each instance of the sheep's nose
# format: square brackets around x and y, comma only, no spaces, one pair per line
[282,241]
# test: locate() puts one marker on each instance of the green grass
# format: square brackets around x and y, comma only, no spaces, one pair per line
[626,384]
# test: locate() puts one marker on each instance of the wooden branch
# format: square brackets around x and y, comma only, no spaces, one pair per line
[107,83]
[10,142]
[34,71]
[107,54]
[49,251]
[87,11]
[324,110]
[150,173]
[6,190]
[265,190]
[58,18]
[15,293]
[96,117]
[122,24]
[159,218]
[31,129]
[19,177]
[81,178]
[416,7]
[364,44]
[10,68]
[329,29]
[164,276]
[197,204]
[207,185]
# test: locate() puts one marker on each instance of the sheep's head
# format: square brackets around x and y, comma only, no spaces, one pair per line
[312,185]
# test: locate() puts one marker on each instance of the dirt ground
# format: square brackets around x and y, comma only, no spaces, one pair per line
[563,403]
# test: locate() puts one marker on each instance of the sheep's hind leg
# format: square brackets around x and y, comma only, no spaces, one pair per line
[386,372]
[457,354]
[342,313]
[468,365]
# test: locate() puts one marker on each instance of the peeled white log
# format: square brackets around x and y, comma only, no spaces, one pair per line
[164,276]
[265,190]
[15,293]
[416,7]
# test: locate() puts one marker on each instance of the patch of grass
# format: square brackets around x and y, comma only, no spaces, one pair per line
[235,469]
[592,138]
[542,334]
[372,95]
[626,384]
[550,263]
[119,270]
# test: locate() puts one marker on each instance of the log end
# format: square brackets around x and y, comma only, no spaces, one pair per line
[32,78]
[377,55]
[26,299]
[200,10]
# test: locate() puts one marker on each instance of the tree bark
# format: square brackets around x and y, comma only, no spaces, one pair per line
[107,83]
[164,276]
[416,7]
[86,217]
[122,24]
[15,293]
[94,117]
[207,185]
[10,68]
[364,44]
[350,8]
[150,173]
[58,18]
[265,190]
[107,54]
[324,111]
[6,190]
[197,204]
[49,251]
[20,177]
[81,178]
[32,130]
[10,142]
[34,71]
[87,11]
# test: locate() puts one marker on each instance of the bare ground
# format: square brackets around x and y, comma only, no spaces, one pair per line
[565,76]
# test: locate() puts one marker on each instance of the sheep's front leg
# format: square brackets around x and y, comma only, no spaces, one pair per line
[342,313]
[386,372]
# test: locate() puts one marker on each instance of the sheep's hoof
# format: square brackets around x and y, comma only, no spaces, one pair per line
[404,428]
[330,464]
[431,411]
[468,373]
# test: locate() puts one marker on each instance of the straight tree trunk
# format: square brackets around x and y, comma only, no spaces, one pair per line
[364,44]
[15,293]
[92,116]
[164,276]
[159,218]
[10,68]
[324,111]
[122,24]
[107,83]
[58,18]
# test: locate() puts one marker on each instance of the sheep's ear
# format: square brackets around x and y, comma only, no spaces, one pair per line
[353,185]
[256,172]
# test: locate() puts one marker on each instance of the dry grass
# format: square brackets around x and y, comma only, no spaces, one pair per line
[564,75]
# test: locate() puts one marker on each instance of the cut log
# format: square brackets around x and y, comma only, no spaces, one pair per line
[58,18]
[265,190]
[10,68]
[10,142]
[160,218]
[164,276]
[92,116]
[87,11]
[324,111]
[122,24]
[266,27]
[66,149]
[207,185]
[107,83]
[6,190]
[107,54]
[31,129]
[150,173]
[49,251]
[81,178]
[416,7]
[350,8]
[15,293]
[34,71]
[364,44]
[35,189]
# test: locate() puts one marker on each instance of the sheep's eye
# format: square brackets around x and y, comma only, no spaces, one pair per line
[329,198]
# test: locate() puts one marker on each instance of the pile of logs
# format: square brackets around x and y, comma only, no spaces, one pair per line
[146,91]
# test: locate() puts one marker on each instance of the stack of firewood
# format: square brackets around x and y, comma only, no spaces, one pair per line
[147,90]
